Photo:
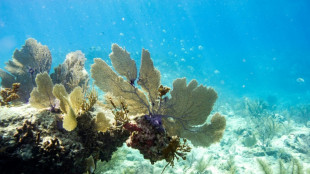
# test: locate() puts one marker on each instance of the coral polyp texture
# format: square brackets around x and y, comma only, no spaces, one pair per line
[26,63]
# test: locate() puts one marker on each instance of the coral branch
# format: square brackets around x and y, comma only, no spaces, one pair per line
[9,94]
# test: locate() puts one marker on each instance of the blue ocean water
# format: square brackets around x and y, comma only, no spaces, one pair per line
[255,48]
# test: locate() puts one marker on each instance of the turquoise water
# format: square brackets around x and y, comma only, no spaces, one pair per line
[256,49]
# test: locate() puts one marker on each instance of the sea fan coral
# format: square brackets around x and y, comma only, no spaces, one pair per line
[71,73]
[70,104]
[42,96]
[184,114]
[26,63]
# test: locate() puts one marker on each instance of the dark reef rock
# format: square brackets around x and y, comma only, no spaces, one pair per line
[150,138]
[35,143]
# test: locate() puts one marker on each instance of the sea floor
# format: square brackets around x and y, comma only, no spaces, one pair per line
[230,155]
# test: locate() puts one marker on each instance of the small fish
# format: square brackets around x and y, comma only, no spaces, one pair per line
[32,73]
[300,80]
[216,71]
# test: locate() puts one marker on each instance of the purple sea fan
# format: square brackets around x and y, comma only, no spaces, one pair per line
[155,121]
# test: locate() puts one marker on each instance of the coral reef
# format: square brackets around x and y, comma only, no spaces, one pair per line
[42,96]
[160,121]
[9,94]
[296,168]
[265,122]
[89,100]
[108,81]
[256,108]
[145,137]
[249,141]
[70,105]
[102,123]
[71,73]
[137,111]
[26,63]
[123,64]
[184,114]
[202,164]
[300,142]
[39,144]
[301,113]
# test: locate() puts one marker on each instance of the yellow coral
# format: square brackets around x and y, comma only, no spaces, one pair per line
[42,96]
[102,122]
[9,94]
[89,100]
[70,105]
[69,121]
[60,92]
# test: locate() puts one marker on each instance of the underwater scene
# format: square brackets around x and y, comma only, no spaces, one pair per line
[154,87]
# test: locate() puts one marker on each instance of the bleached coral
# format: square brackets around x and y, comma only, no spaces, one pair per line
[26,63]
[184,114]
[71,73]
